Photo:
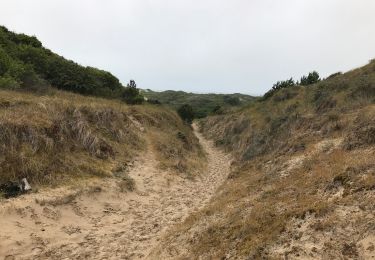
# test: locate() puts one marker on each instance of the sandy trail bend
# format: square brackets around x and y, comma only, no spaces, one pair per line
[107,224]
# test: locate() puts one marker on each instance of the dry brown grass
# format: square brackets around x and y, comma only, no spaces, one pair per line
[255,207]
[126,184]
[306,159]
[183,155]
[61,137]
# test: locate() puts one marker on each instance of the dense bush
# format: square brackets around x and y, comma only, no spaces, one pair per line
[218,110]
[8,82]
[310,79]
[186,113]
[279,85]
[131,94]
[153,101]
[233,101]
[25,63]
[202,104]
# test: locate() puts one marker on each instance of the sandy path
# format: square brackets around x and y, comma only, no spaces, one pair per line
[104,223]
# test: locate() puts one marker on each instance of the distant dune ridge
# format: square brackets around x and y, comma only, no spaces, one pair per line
[202,104]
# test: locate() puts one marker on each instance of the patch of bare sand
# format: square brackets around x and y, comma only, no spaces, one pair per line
[99,222]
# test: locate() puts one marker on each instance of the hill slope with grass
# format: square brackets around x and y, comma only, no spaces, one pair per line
[107,179]
[303,177]
[26,64]
[132,170]
[202,104]
[63,136]
[48,135]
[111,180]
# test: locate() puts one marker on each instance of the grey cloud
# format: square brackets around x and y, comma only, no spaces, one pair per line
[202,46]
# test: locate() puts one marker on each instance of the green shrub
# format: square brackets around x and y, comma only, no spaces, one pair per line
[131,94]
[24,59]
[277,86]
[186,113]
[233,101]
[4,62]
[8,82]
[202,104]
[218,110]
[153,101]
[310,79]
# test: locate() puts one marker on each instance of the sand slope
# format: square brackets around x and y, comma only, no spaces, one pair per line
[99,222]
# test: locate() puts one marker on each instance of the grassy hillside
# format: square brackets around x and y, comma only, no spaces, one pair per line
[47,135]
[26,64]
[203,104]
[303,177]
[67,137]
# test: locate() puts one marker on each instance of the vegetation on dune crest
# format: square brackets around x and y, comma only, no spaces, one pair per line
[25,64]
[303,171]
[65,136]
[303,176]
[202,104]
[186,113]
[47,135]
[310,79]
[131,94]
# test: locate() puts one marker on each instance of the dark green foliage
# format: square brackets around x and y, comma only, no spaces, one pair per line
[232,100]
[310,79]
[203,104]
[284,84]
[25,63]
[7,82]
[131,94]
[217,110]
[4,61]
[24,39]
[153,101]
[186,113]
[277,86]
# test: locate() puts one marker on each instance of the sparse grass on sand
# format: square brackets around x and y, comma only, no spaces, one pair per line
[57,138]
[303,182]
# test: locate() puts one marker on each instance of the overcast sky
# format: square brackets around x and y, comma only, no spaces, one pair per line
[220,46]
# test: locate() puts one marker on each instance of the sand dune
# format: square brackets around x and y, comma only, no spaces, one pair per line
[99,222]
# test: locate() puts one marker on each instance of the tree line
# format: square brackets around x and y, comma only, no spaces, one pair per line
[311,78]
[26,64]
